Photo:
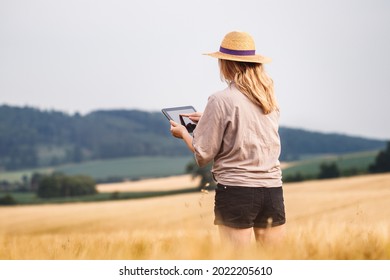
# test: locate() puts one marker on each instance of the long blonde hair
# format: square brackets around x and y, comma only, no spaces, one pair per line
[251,80]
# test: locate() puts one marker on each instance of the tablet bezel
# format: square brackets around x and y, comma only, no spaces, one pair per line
[166,112]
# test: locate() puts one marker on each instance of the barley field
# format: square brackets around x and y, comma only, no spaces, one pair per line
[345,218]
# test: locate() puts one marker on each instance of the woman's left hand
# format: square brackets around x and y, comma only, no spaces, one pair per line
[178,130]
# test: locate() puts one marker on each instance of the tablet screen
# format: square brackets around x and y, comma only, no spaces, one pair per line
[175,115]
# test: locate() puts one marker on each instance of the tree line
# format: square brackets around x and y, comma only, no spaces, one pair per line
[61,185]
[55,185]
[329,170]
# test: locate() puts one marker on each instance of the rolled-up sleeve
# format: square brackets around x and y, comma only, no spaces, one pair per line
[209,132]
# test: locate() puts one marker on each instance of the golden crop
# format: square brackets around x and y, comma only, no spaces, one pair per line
[345,218]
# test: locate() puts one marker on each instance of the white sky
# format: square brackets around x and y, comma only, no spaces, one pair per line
[331,60]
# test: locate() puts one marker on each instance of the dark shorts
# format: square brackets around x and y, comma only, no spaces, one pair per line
[245,207]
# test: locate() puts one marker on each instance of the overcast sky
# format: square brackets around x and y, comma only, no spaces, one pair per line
[331,59]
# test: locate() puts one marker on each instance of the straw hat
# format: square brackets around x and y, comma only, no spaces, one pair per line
[239,46]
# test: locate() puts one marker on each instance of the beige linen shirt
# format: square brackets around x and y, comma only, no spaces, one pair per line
[243,142]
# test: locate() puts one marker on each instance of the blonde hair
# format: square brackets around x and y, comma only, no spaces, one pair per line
[251,80]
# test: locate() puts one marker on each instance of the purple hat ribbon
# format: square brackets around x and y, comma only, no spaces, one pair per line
[237,52]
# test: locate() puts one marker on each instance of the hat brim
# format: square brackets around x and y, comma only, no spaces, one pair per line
[241,58]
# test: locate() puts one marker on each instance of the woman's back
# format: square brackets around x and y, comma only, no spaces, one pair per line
[243,141]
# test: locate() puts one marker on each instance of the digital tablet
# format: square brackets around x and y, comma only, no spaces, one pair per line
[175,115]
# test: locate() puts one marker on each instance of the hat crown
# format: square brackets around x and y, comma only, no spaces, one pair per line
[239,46]
[238,41]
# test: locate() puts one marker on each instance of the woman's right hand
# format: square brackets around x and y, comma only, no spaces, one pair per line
[195,117]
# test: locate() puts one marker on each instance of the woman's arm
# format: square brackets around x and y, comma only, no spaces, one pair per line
[179,131]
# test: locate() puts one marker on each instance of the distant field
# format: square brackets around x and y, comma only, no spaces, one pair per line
[157,184]
[358,161]
[131,168]
[27,198]
[345,218]
[121,190]
[135,168]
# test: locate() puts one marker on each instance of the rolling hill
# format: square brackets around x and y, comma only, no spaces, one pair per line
[31,138]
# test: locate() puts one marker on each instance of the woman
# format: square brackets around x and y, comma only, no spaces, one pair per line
[238,130]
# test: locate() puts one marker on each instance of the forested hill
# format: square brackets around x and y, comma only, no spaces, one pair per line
[30,137]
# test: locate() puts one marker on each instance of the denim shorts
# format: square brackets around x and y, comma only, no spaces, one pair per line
[245,207]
